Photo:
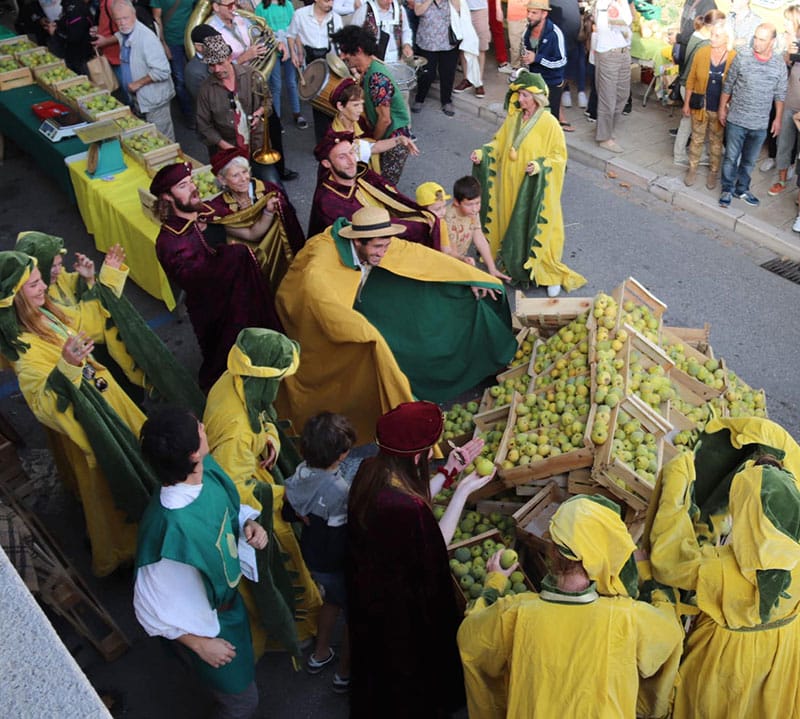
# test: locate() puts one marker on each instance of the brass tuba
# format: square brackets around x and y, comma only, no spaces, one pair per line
[259,31]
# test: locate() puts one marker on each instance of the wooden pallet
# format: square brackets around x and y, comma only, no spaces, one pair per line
[60,585]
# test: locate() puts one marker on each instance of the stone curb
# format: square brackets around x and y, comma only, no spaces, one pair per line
[668,188]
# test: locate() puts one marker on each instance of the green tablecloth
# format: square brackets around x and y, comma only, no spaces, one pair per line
[18,123]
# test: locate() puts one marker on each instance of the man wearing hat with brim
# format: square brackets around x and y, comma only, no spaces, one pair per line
[382,320]
[225,289]
[196,70]
[546,53]
[584,646]
[231,109]
[344,183]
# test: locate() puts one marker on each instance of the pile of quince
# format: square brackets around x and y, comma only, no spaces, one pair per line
[468,566]
[574,335]
[56,74]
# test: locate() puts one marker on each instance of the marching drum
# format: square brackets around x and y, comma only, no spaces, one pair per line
[319,80]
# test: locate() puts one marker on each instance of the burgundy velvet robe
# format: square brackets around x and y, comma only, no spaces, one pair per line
[333,200]
[225,291]
[402,614]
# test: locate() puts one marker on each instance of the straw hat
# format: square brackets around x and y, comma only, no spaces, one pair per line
[538,5]
[370,222]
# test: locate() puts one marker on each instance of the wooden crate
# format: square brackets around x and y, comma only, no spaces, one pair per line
[478,539]
[543,468]
[153,159]
[488,401]
[38,57]
[534,517]
[650,355]
[118,110]
[65,90]
[16,44]
[697,337]
[611,472]
[47,81]
[549,314]
[632,290]
[18,77]
[699,388]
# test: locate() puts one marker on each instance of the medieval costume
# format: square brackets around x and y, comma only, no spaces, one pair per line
[727,533]
[402,610]
[188,572]
[521,213]
[242,428]
[333,200]
[284,238]
[585,653]
[95,421]
[411,328]
[225,290]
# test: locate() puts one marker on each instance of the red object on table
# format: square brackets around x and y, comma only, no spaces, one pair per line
[53,110]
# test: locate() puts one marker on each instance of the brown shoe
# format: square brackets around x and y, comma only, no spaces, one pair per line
[711,180]
[463,85]
[480,92]
[691,176]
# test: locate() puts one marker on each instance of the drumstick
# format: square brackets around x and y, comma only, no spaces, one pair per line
[302,79]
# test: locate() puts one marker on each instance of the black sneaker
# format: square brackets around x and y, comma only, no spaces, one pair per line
[749,198]
[628,107]
[289,175]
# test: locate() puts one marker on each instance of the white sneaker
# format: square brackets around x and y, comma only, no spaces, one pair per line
[583,101]
[796,225]
[767,165]
[790,173]
[505,68]
[555,290]
[566,99]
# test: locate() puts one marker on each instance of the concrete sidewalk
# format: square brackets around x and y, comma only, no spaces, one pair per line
[647,161]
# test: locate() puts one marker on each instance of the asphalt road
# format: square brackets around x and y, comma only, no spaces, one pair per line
[703,273]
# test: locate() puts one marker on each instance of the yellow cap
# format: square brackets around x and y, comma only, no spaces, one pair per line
[430,192]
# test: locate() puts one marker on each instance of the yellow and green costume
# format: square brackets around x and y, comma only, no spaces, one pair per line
[413,330]
[595,653]
[743,654]
[521,214]
[93,431]
[240,424]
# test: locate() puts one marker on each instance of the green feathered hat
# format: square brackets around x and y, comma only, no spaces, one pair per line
[533,82]
[258,361]
[15,270]
[43,247]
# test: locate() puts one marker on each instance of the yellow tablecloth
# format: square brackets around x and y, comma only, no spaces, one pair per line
[112,213]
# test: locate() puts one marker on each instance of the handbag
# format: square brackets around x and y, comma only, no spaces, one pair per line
[697,101]
[100,72]
[455,41]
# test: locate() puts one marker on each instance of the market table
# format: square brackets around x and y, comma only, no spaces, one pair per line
[112,212]
[18,123]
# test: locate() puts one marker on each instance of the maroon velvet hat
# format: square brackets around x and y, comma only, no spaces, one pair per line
[329,141]
[223,157]
[336,95]
[409,428]
[169,176]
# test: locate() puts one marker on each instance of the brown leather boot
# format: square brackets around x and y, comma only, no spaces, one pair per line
[691,176]
[711,180]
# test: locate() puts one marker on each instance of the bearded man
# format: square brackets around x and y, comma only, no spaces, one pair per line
[346,185]
[225,289]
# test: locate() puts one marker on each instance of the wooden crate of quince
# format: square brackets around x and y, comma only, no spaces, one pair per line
[102,106]
[547,315]
[38,57]
[17,44]
[48,76]
[12,74]
[149,147]
[71,90]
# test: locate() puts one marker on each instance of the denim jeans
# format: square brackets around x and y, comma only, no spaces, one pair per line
[741,152]
[284,74]
[177,64]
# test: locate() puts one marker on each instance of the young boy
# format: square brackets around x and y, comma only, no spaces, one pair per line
[464,226]
[317,492]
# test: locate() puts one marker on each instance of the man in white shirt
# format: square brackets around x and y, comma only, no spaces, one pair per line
[309,38]
[612,74]
[195,542]
[386,20]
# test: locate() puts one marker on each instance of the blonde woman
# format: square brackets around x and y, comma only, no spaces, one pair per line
[709,67]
